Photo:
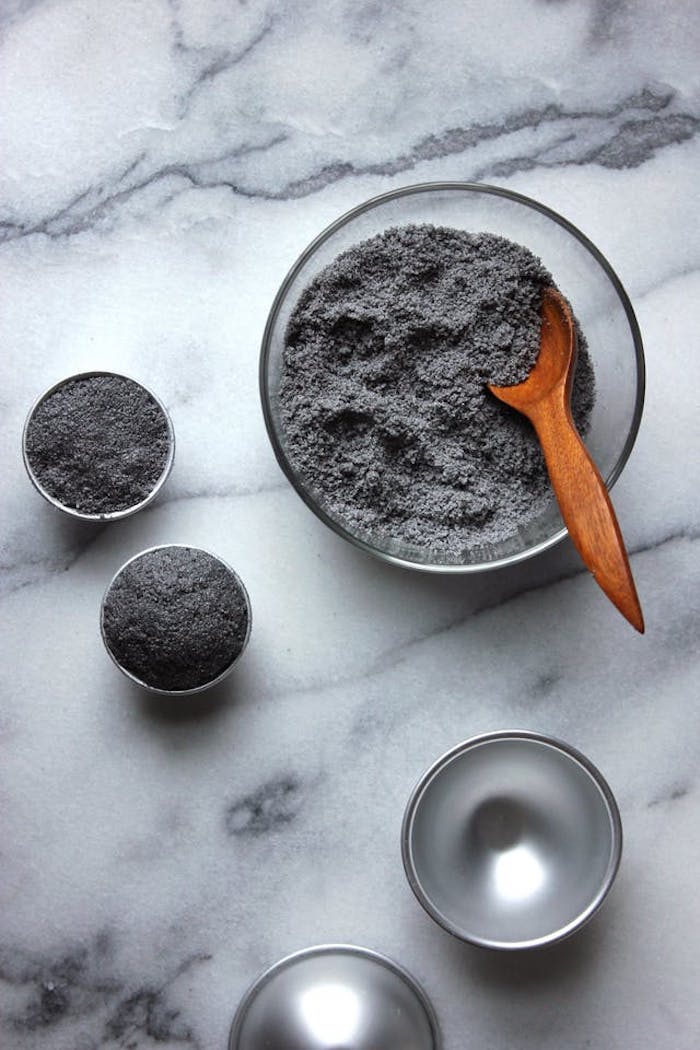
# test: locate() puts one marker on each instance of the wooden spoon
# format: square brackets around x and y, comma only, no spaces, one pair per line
[545,398]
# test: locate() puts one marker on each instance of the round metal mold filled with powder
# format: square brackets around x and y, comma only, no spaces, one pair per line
[333,996]
[376,471]
[175,619]
[98,446]
[512,840]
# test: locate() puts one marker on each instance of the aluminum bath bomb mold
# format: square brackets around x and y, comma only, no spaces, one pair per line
[175,619]
[98,446]
[512,840]
[335,997]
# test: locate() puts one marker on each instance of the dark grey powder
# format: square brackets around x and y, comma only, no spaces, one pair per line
[383,395]
[175,617]
[98,444]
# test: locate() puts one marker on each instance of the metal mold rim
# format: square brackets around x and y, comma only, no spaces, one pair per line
[112,515]
[197,688]
[616,838]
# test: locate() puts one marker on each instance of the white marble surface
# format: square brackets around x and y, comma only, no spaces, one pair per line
[163,163]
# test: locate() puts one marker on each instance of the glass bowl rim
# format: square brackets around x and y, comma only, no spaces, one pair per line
[265,353]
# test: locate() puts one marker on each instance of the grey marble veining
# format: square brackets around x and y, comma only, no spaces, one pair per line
[164,163]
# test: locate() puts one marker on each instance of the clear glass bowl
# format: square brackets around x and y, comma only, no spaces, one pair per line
[580,271]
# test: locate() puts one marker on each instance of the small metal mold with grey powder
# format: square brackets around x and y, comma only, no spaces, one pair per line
[512,840]
[175,619]
[331,996]
[98,446]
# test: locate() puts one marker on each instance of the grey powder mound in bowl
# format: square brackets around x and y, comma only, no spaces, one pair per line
[176,618]
[98,445]
[383,396]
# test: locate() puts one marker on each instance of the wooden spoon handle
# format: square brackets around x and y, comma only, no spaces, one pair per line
[586,508]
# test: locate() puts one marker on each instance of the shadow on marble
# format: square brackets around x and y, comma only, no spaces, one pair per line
[44,541]
[478,591]
[175,710]
[72,533]
[547,968]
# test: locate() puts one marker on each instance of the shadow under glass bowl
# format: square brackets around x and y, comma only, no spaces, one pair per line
[579,270]
[512,840]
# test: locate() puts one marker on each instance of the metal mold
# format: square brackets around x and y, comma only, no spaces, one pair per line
[335,996]
[205,685]
[107,516]
[512,840]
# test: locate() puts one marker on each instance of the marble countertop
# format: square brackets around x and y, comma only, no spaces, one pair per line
[163,164]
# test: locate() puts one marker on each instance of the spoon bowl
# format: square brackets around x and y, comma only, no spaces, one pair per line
[554,367]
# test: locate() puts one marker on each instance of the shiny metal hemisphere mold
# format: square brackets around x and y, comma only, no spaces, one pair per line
[205,685]
[332,996]
[115,515]
[512,840]
[579,269]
